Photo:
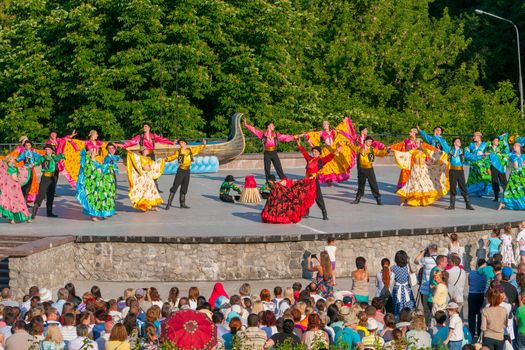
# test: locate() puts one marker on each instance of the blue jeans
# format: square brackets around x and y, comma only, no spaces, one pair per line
[455,345]
[519,342]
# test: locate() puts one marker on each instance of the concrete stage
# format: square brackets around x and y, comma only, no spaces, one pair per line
[209,217]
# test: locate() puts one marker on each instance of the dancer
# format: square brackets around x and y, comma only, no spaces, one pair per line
[111,161]
[365,168]
[142,173]
[315,164]
[360,139]
[48,181]
[12,202]
[267,188]
[498,156]
[95,186]
[184,157]
[435,140]
[31,187]
[289,201]
[456,175]
[514,194]
[270,140]
[67,147]
[28,156]
[427,175]
[147,139]
[406,145]
[479,179]
[226,187]
[338,169]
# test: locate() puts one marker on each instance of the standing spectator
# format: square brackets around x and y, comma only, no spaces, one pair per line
[417,336]
[53,340]
[360,279]
[385,284]
[331,249]
[173,297]
[506,246]
[68,330]
[315,335]
[253,337]
[286,336]
[82,340]
[37,327]
[511,293]
[520,320]
[20,340]
[521,241]
[455,328]
[278,297]
[373,340]
[72,296]
[494,242]
[440,298]
[455,247]
[193,295]
[324,278]
[402,292]
[494,320]
[426,260]
[265,296]
[456,281]
[118,338]
[62,298]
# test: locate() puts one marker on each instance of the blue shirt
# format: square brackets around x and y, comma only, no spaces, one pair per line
[474,153]
[494,244]
[434,140]
[514,158]
[347,338]
[98,329]
[442,335]
[112,159]
[476,283]
[455,155]
[29,157]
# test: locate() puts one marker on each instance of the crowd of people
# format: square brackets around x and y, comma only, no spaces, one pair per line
[427,301]
[430,168]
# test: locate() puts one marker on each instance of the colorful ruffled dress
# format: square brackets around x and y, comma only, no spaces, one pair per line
[289,201]
[72,151]
[96,187]
[514,195]
[143,192]
[33,190]
[427,176]
[499,156]
[338,169]
[404,146]
[12,202]
[479,182]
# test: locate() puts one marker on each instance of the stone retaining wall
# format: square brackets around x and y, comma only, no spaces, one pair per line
[143,261]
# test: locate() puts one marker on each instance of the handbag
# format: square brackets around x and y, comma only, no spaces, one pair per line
[413,279]
[479,343]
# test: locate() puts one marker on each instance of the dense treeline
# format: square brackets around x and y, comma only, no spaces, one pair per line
[189,65]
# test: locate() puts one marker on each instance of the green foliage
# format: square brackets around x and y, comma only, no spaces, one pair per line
[187,66]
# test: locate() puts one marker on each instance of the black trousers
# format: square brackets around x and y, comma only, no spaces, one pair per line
[497,179]
[364,174]
[319,200]
[265,195]
[457,178]
[46,191]
[475,304]
[27,186]
[182,179]
[228,198]
[272,157]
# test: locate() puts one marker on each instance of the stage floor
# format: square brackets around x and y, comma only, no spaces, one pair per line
[209,217]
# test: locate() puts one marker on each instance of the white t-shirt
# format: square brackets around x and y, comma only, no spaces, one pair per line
[456,324]
[456,284]
[521,239]
[330,249]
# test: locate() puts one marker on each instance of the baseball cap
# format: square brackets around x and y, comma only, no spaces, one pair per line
[506,272]
[452,305]
[139,292]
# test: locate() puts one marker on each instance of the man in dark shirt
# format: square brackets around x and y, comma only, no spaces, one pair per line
[285,336]
[510,291]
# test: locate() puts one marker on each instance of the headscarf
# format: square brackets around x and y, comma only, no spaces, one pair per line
[218,291]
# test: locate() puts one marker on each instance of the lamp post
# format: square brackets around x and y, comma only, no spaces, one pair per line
[480,12]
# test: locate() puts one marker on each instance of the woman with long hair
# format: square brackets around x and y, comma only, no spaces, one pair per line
[385,284]
[324,278]
[230,339]
[12,202]
[513,196]
[118,339]
[402,291]
[173,297]
[360,279]
[193,295]
[53,340]
[494,319]
[315,337]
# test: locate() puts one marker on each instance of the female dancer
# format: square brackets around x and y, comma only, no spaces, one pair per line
[514,194]
[338,169]
[142,173]
[95,186]
[479,182]
[427,175]
[63,145]
[498,156]
[406,145]
[12,203]
[28,156]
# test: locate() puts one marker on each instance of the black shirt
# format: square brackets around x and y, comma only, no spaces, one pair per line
[281,338]
[510,292]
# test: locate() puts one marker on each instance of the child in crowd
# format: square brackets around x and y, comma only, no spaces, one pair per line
[494,242]
[455,247]
[455,328]
[331,248]
[226,187]
[506,245]
[267,187]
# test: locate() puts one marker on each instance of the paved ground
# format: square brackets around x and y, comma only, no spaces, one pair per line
[210,217]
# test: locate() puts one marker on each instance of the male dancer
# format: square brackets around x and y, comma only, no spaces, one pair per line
[48,181]
[498,154]
[29,157]
[270,140]
[456,174]
[184,157]
[365,168]
[314,163]
[147,139]
[436,140]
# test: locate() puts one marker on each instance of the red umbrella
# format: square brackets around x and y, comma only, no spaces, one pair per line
[191,330]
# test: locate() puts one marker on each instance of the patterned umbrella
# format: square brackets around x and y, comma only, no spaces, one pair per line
[191,330]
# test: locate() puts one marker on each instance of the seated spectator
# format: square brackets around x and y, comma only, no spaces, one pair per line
[418,336]
[118,338]
[268,323]
[373,341]
[53,339]
[51,318]
[284,336]
[253,337]
[398,341]
[348,338]
[104,336]
[82,341]
[68,329]
[151,341]
[7,298]
[21,339]
[228,339]
[315,335]
[390,325]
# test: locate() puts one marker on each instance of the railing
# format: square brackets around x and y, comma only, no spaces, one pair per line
[254,145]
